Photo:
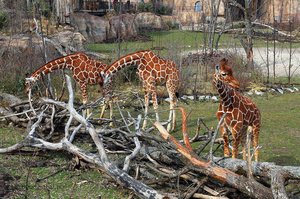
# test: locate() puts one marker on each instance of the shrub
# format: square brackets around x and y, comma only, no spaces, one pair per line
[145,7]
[164,10]
[3,19]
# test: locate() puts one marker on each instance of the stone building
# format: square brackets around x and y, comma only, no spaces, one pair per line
[193,11]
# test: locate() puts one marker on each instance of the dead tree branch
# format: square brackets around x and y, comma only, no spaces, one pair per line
[247,186]
[151,163]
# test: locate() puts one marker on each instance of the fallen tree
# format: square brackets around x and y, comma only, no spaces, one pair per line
[150,165]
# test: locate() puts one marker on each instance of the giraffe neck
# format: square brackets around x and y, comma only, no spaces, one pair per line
[128,60]
[225,92]
[60,63]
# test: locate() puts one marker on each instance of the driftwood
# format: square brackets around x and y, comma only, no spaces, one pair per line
[151,162]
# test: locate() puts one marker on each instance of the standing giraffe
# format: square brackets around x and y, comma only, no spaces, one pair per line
[85,71]
[152,70]
[241,113]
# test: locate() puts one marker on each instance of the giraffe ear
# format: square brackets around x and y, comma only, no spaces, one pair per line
[234,83]
[106,77]
[224,60]
[102,74]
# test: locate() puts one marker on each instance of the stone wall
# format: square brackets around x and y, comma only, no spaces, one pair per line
[98,29]
[284,11]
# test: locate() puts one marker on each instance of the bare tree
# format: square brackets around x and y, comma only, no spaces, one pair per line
[274,41]
[247,42]
[214,10]
[291,21]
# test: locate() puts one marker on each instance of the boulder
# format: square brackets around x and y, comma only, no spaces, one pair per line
[69,40]
[93,28]
[8,99]
[148,20]
[98,29]
[123,24]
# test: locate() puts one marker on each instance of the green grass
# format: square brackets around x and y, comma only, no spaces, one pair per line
[284,80]
[280,131]
[279,139]
[165,40]
[176,40]
[51,174]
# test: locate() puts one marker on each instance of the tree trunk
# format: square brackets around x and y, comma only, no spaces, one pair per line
[245,185]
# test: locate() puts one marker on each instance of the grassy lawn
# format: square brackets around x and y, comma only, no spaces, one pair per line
[44,174]
[176,40]
[165,40]
[280,132]
[49,174]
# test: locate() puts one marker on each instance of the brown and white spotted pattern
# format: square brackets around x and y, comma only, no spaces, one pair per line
[241,113]
[86,71]
[152,70]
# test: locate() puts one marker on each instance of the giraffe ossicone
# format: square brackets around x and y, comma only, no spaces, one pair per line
[242,114]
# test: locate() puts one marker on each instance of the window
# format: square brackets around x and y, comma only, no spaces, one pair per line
[198,6]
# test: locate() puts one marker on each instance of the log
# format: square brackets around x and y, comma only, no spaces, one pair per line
[277,174]
[248,186]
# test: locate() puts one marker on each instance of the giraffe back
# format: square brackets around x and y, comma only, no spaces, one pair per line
[85,70]
[148,65]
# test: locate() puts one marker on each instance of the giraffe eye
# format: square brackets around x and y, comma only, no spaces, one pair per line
[223,74]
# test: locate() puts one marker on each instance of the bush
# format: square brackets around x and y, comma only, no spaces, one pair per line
[164,10]
[145,7]
[3,19]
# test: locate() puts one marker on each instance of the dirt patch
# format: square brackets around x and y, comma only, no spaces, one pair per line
[5,184]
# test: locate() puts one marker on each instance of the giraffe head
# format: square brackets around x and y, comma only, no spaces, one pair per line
[28,84]
[107,78]
[223,73]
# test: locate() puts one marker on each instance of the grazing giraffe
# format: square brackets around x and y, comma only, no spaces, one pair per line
[152,70]
[85,71]
[241,113]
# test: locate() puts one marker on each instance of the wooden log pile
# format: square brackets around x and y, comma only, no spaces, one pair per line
[151,163]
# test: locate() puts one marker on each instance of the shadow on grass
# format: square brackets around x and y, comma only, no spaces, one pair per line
[284,160]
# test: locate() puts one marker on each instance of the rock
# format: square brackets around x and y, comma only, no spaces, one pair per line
[148,20]
[259,93]
[123,24]
[71,41]
[214,99]
[98,29]
[93,28]
[7,99]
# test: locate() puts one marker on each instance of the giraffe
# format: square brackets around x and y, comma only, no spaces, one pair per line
[242,114]
[152,70]
[86,71]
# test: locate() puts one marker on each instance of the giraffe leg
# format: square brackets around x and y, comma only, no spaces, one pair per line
[172,115]
[255,142]
[244,151]
[110,104]
[146,110]
[244,143]
[224,133]
[236,135]
[86,112]
[102,110]
[155,104]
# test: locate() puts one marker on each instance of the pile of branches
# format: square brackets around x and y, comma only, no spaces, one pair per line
[151,163]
